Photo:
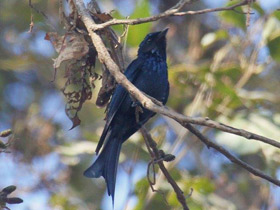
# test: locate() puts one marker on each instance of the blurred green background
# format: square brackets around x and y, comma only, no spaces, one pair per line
[217,68]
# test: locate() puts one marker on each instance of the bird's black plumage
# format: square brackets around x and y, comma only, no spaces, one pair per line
[149,74]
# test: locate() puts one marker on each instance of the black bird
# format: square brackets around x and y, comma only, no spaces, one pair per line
[148,72]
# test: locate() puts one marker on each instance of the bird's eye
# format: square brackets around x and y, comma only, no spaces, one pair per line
[149,40]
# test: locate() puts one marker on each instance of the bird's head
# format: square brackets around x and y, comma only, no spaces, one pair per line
[154,43]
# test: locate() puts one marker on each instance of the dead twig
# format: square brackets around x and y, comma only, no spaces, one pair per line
[232,158]
[173,11]
[31,25]
[37,10]
[150,143]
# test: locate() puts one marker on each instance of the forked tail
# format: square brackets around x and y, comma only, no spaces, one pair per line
[106,165]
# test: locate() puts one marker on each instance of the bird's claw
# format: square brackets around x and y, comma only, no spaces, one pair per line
[135,104]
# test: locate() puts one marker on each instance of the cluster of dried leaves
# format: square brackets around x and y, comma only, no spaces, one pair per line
[77,55]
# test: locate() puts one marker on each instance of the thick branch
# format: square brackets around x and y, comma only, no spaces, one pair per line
[174,11]
[105,58]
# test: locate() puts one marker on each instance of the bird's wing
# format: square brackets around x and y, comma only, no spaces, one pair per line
[117,99]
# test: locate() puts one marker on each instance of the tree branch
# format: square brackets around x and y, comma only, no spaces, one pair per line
[173,11]
[219,9]
[151,145]
[231,157]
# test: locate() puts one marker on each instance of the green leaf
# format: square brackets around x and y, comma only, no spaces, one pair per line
[138,32]
[117,15]
[236,17]
[172,199]
[2,145]
[271,28]
[254,123]
[62,202]
[276,14]
[274,48]
[236,143]
[194,205]
[210,38]
[227,90]
[141,189]
[76,148]
[202,185]
[232,72]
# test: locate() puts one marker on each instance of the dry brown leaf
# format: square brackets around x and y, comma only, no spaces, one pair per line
[103,16]
[70,46]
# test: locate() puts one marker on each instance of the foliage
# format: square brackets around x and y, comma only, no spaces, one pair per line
[217,68]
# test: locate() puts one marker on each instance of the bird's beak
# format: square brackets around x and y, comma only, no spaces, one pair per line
[163,33]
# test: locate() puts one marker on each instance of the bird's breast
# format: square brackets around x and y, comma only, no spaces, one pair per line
[154,79]
[154,65]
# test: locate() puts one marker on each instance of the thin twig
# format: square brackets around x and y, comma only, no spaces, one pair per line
[219,9]
[42,13]
[153,181]
[31,25]
[231,157]
[151,143]
[37,10]
[174,11]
